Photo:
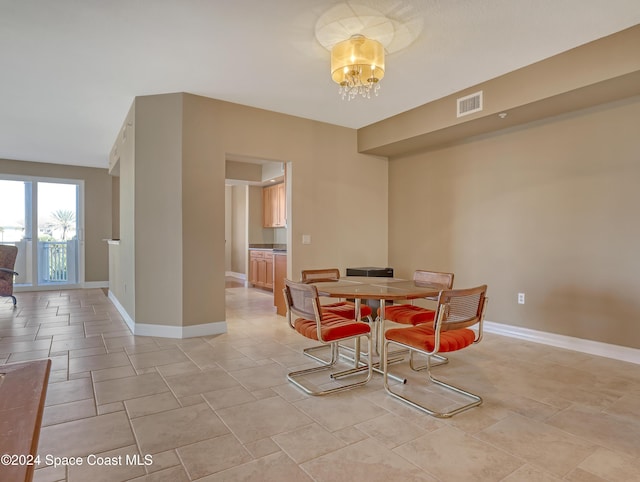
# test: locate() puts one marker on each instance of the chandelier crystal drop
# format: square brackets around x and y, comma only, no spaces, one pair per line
[357,66]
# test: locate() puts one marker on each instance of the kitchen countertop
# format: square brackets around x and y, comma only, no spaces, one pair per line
[276,248]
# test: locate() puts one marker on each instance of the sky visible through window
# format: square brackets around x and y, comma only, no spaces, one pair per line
[52,197]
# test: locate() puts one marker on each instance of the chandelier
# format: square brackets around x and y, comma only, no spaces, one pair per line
[357,66]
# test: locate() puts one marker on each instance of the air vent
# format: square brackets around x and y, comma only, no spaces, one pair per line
[469,104]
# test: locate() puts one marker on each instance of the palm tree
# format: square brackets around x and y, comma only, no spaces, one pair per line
[64,220]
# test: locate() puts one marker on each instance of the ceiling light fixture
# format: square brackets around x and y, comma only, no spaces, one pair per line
[357,66]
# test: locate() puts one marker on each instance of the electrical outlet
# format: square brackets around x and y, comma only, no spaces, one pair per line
[521,298]
[306,239]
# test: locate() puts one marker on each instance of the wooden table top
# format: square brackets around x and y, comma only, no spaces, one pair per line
[23,388]
[367,288]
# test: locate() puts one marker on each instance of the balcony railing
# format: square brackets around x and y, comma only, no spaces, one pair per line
[54,262]
[57,262]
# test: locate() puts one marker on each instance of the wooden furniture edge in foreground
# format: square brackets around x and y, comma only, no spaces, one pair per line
[23,389]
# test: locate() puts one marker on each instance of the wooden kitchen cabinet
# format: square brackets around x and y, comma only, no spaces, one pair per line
[254,256]
[280,207]
[274,206]
[267,207]
[279,274]
[268,276]
[261,268]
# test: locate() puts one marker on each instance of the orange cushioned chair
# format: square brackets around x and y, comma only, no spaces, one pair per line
[8,256]
[307,317]
[346,309]
[458,310]
[409,314]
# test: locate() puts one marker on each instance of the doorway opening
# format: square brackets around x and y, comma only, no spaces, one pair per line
[256,219]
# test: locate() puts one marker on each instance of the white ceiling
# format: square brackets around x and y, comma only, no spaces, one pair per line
[70,69]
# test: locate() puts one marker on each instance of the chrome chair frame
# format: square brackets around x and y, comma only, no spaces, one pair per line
[441,323]
[315,314]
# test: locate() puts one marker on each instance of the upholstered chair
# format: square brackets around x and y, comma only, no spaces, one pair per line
[457,312]
[8,256]
[343,308]
[306,316]
[410,314]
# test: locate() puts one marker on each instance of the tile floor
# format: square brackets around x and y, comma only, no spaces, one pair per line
[220,407]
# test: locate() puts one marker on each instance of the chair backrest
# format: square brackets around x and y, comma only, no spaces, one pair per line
[318,275]
[461,308]
[434,278]
[302,300]
[8,256]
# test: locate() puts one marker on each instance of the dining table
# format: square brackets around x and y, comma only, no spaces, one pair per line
[23,390]
[361,288]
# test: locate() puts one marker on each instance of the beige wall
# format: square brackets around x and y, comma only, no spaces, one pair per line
[239,262]
[149,262]
[228,223]
[548,209]
[159,221]
[339,197]
[601,71]
[244,171]
[115,207]
[173,180]
[97,214]
[124,290]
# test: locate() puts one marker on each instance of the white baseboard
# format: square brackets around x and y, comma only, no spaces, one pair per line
[617,352]
[233,274]
[623,353]
[125,316]
[95,284]
[168,331]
